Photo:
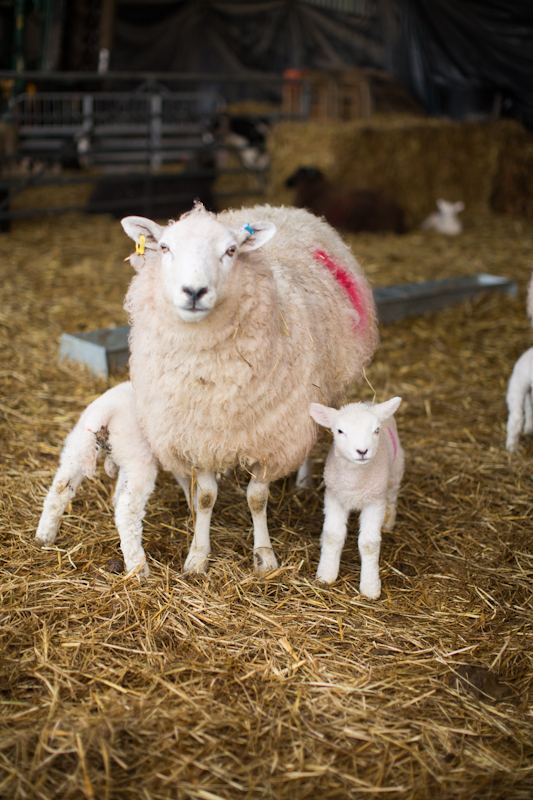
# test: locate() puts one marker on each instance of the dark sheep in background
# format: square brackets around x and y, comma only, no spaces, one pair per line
[345,209]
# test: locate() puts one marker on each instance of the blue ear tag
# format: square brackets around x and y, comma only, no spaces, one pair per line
[248,228]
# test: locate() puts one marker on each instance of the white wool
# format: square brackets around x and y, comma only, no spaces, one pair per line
[363,472]
[445,220]
[107,428]
[519,401]
[237,324]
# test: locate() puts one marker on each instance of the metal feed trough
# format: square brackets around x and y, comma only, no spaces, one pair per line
[105,351]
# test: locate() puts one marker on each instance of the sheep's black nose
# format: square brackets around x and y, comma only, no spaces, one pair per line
[195,294]
[363,452]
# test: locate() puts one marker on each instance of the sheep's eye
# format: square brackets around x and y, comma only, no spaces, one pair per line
[339,431]
[164,248]
[231,250]
[376,431]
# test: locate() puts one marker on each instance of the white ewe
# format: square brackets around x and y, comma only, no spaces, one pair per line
[108,427]
[519,403]
[238,322]
[363,472]
[445,220]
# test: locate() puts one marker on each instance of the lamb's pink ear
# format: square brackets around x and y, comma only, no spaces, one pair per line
[460,206]
[387,409]
[253,235]
[136,227]
[324,415]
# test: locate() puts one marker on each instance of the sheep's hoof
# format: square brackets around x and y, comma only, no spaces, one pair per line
[371,590]
[195,564]
[264,560]
[324,580]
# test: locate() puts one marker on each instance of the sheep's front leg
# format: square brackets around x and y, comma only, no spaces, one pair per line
[370,522]
[264,556]
[332,539]
[206,495]
[61,492]
[131,500]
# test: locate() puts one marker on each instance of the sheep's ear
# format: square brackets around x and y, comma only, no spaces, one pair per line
[441,204]
[460,206]
[385,410]
[254,235]
[136,227]
[324,415]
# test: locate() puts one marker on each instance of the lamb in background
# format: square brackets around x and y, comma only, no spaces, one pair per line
[108,427]
[445,220]
[363,472]
[519,402]
[238,322]
[352,210]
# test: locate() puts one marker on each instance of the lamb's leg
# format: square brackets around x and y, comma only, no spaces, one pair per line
[332,539]
[391,505]
[206,490]
[264,556]
[528,413]
[184,483]
[61,492]
[519,388]
[370,522]
[304,476]
[136,488]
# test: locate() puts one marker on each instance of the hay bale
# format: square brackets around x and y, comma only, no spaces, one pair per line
[415,160]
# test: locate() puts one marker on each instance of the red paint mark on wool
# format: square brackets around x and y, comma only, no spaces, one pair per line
[393,440]
[347,282]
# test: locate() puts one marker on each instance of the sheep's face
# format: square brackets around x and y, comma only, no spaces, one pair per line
[198,256]
[355,427]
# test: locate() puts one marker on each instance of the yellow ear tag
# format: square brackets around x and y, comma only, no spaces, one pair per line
[139,248]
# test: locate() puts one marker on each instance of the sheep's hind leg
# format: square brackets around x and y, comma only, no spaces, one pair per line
[304,476]
[206,489]
[134,493]
[61,492]
[264,556]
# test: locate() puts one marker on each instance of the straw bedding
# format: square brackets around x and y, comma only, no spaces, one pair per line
[237,686]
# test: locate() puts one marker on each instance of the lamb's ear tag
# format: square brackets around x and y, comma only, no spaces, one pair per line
[139,248]
[248,228]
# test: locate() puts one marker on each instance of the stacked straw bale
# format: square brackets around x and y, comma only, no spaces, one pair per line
[235,686]
[416,160]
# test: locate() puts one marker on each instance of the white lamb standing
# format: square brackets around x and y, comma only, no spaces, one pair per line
[445,220]
[519,401]
[108,427]
[363,472]
[238,321]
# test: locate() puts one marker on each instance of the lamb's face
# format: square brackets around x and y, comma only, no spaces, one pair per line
[198,255]
[356,433]
[355,427]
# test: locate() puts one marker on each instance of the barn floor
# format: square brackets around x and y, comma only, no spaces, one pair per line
[235,686]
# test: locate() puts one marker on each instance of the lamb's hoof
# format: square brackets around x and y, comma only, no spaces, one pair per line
[140,571]
[196,564]
[371,590]
[325,580]
[264,560]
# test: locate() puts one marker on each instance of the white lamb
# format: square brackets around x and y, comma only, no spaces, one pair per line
[445,220]
[238,322]
[519,401]
[108,427]
[363,472]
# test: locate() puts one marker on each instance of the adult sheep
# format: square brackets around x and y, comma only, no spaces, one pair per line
[238,321]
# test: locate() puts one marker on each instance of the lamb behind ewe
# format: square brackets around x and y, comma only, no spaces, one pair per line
[108,427]
[445,220]
[238,322]
[346,209]
[519,402]
[363,472]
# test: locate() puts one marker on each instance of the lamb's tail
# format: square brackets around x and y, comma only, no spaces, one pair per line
[94,440]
